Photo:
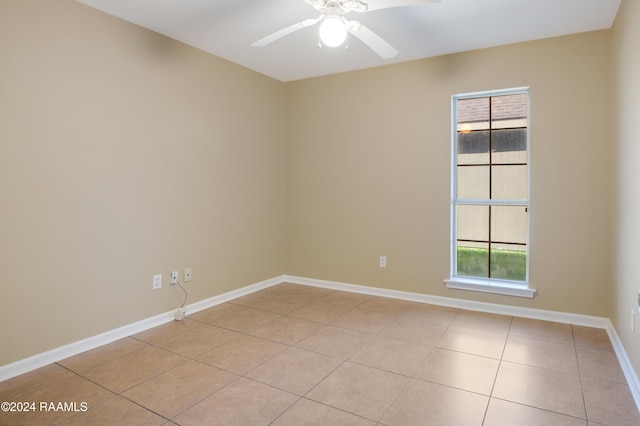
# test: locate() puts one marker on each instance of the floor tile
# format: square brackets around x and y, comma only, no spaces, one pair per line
[132,369]
[170,393]
[412,329]
[364,320]
[602,365]
[211,314]
[320,311]
[73,390]
[386,305]
[432,313]
[592,338]
[541,353]
[310,413]
[459,370]
[164,331]
[311,355]
[115,411]
[344,299]
[396,356]
[287,330]
[505,413]
[102,354]
[13,388]
[424,403]
[335,341]
[471,341]
[609,403]
[306,292]
[295,370]
[250,300]
[229,405]
[546,389]
[543,330]
[483,321]
[196,342]
[244,320]
[242,354]
[281,304]
[360,390]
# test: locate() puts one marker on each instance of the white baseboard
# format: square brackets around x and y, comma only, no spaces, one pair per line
[494,308]
[28,364]
[625,363]
[234,294]
[40,360]
[54,355]
[540,314]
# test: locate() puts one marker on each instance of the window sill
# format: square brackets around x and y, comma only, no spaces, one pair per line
[508,288]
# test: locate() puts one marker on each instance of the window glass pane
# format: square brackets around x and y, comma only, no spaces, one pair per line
[473,259]
[509,111]
[508,182]
[473,148]
[473,223]
[509,146]
[473,182]
[508,224]
[491,143]
[508,262]
[473,114]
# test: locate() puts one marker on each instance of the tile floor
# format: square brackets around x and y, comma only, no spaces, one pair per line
[297,355]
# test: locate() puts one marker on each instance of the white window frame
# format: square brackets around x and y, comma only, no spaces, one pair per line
[487,285]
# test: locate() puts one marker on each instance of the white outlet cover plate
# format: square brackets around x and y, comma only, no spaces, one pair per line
[157,281]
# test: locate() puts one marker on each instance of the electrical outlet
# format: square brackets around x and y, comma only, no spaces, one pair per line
[187,275]
[383,261]
[157,281]
[174,277]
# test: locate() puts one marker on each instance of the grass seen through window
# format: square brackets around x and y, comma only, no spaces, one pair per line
[505,264]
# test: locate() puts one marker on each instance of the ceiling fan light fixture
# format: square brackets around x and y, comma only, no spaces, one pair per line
[333,32]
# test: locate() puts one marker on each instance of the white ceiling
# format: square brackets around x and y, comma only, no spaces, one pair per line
[226,28]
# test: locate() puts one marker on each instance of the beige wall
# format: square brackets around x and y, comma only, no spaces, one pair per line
[626,37]
[124,154]
[368,171]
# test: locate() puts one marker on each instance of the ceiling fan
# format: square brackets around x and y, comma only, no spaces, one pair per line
[334,26]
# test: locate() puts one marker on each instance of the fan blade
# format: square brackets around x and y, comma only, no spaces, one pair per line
[373,40]
[385,4]
[283,32]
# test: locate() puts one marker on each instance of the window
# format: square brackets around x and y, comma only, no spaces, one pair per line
[490,192]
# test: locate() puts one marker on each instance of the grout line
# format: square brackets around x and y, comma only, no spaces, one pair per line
[575,352]
[495,379]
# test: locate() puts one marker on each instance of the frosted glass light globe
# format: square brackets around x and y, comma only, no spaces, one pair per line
[332,31]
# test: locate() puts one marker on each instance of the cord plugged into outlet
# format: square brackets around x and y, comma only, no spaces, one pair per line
[180,313]
[174,277]
[175,280]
